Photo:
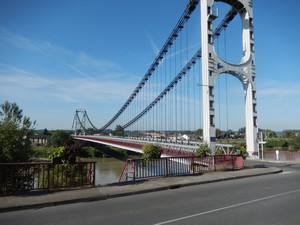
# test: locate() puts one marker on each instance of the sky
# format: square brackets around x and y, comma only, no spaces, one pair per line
[59,56]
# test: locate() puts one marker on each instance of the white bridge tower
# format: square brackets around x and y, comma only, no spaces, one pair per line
[213,65]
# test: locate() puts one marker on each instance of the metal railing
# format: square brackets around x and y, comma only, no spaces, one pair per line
[282,155]
[135,169]
[17,177]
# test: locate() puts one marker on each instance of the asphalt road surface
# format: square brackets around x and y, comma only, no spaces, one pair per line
[263,200]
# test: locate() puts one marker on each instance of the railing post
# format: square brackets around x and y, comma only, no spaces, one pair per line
[193,165]
[214,164]
[167,167]
[48,175]
[94,174]
[232,160]
[133,166]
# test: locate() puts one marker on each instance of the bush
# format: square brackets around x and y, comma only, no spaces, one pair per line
[292,148]
[219,151]
[65,153]
[90,152]
[242,149]
[244,152]
[285,144]
[203,151]
[150,152]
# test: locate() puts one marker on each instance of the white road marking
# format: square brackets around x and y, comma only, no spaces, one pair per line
[227,207]
[286,172]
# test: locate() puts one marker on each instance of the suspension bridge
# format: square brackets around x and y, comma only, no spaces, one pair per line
[177,94]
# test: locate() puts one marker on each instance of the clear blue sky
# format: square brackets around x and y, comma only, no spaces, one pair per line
[58,56]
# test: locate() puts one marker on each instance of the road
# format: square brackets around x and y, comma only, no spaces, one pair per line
[270,199]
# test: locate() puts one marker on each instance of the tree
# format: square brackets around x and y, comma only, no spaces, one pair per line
[218,133]
[15,133]
[288,133]
[242,132]
[228,133]
[150,152]
[199,134]
[46,132]
[60,138]
[119,131]
[270,133]
[66,153]
[63,146]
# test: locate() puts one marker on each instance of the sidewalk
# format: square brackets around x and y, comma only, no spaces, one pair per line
[33,200]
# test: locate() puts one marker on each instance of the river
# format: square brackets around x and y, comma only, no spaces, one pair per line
[108,170]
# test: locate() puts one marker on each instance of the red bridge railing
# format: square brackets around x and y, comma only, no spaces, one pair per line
[135,169]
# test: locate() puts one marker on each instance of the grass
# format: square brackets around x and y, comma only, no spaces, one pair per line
[40,151]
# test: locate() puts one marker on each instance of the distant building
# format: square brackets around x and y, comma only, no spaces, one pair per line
[39,139]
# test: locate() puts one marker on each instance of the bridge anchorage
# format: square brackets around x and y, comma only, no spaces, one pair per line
[167,101]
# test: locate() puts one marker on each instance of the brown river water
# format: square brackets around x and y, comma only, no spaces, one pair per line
[108,170]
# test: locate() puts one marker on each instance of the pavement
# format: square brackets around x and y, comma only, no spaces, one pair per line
[40,199]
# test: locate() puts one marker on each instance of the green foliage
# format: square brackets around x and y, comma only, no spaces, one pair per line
[242,130]
[66,153]
[288,133]
[40,151]
[292,148]
[218,151]
[17,178]
[62,146]
[242,149]
[15,133]
[150,152]
[199,134]
[295,142]
[203,151]
[218,133]
[119,131]
[26,177]
[60,138]
[57,152]
[46,132]
[283,143]
[271,143]
[104,151]
[67,175]
[270,134]
[274,143]
[90,152]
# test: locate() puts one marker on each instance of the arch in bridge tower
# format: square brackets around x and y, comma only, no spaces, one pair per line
[213,66]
